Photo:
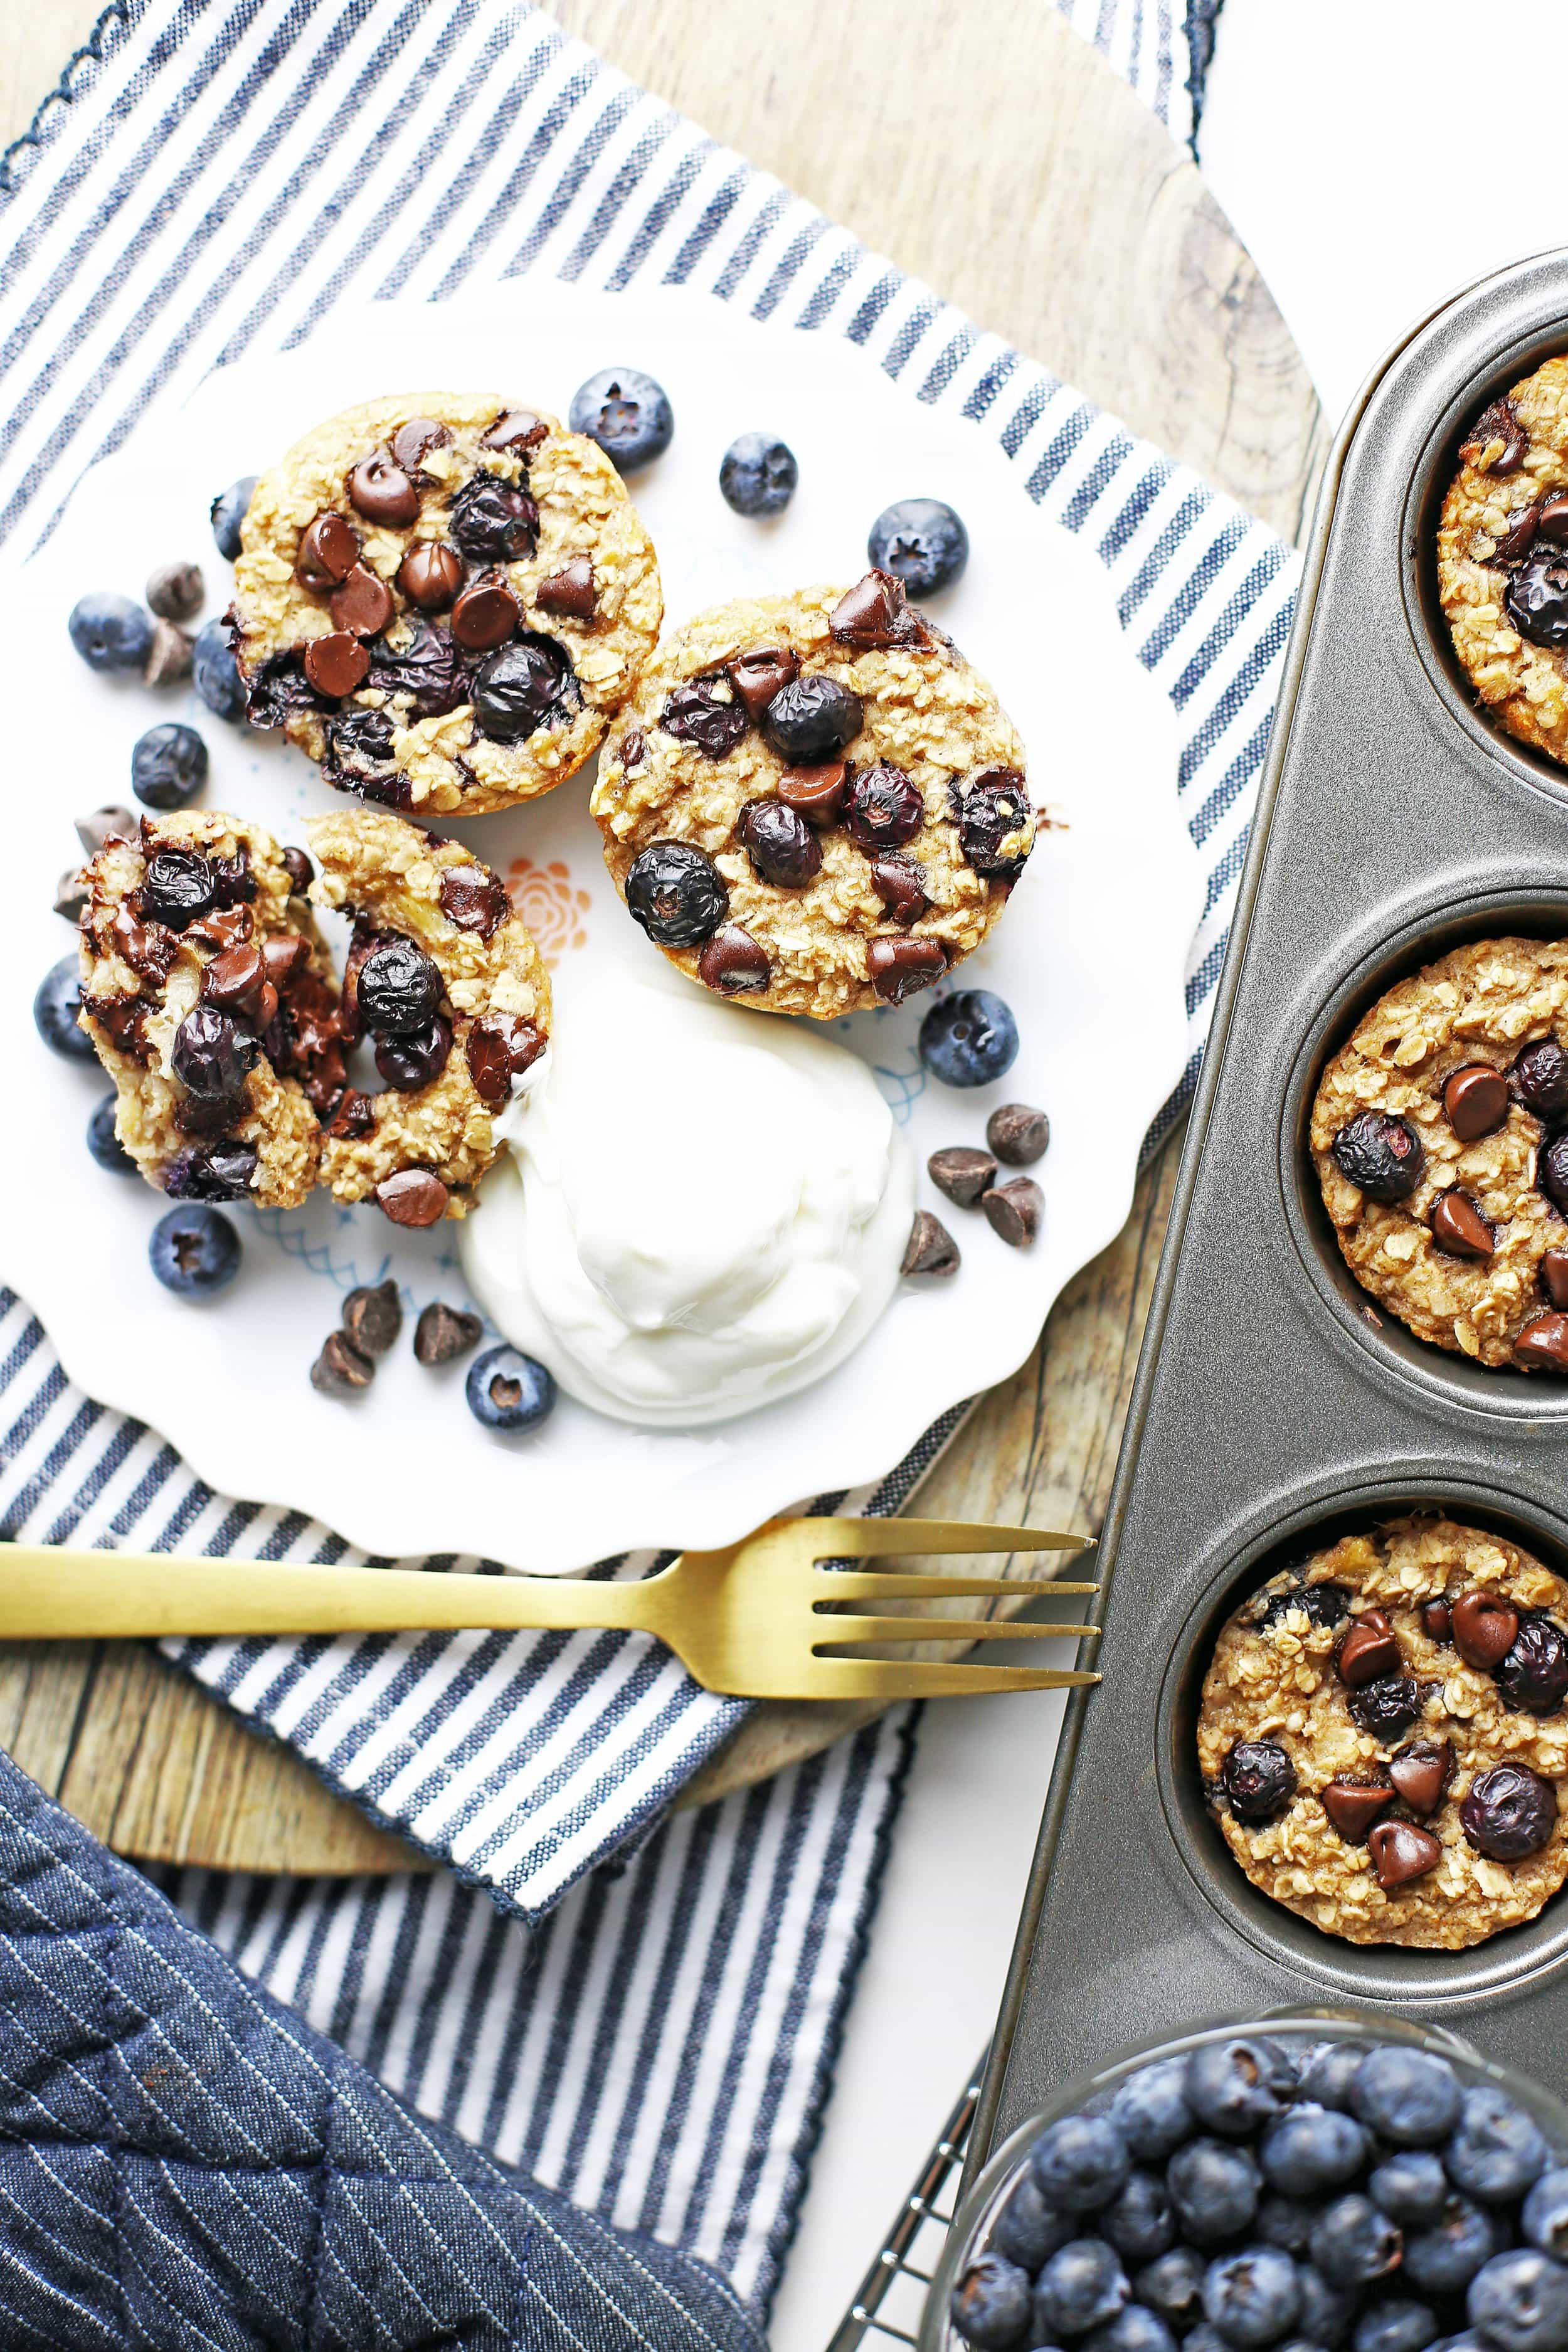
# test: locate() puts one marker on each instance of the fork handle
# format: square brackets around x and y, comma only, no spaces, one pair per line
[50,1593]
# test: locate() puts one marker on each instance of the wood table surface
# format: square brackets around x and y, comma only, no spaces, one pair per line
[992,154]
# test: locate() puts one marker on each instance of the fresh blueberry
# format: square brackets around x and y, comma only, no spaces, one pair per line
[1444,2259]
[1545,2215]
[757,475]
[55,1008]
[1235,2086]
[1150,2111]
[1354,2242]
[1253,2297]
[228,510]
[1326,2311]
[1214,2189]
[215,673]
[104,1144]
[1080,2163]
[1407,2096]
[1495,2152]
[1028,2231]
[194,1250]
[1396,2325]
[1174,2287]
[1082,2286]
[990,2304]
[1467,2342]
[968,1038]
[1309,2150]
[1286,2222]
[628,414]
[1518,2301]
[168,766]
[1132,2330]
[111,632]
[1411,2187]
[1139,2223]
[1302,2343]
[922,542]
[1204,2338]
[1329,2073]
[507,1389]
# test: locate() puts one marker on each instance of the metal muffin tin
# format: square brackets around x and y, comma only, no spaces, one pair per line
[1274,1402]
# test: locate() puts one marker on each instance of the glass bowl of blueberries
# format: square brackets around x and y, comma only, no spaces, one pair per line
[1321,2180]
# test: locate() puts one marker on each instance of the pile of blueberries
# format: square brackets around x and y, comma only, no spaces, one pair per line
[1251,2195]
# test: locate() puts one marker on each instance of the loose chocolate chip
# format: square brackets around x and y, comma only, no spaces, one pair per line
[341,1370]
[1518,539]
[104,825]
[328,551]
[705,711]
[1386,1707]
[901,968]
[930,1248]
[169,655]
[899,883]
[337,664]
[1018,1134]
[175,591]
[1382,1155]
[732,963]
[1542,1345]
[1508,1813]
[758,676]
[492,521]
[372,1316]
[524,686]
[633,747]
[1400,1851]
[71,896]
[1475,1100]
[430,574]
[1554,1276]
[177,886]
[475,899]
[235,979]
[816,793]
[363,605]
[499,1047]
[444,1332]
[415,1196]
[570,591]
[873,614]
[1013,1209]
[411,1063]
[1437,1621]
[1536,597]
[516,428]
[485,615]
[962,1174]
[301,873]
[1354,1805]
[782,846]
[381,491]
[1484,1626]
[413,442]
[1534,1674]
[996,824]
[1458,1227]
[1538,1077]
[811,718]
[1371,1648]
[1421,1772]
[884,809]
[209,1056]
[1258,1780]
[1496,443]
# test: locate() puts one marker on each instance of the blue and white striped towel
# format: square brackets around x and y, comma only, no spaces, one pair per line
[219,177]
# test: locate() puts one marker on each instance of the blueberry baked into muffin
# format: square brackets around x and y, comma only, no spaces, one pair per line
[1441,1137]
[1502,558]
[208,997]
[442,599]
[1383,1740]
[813,803]
[445,983]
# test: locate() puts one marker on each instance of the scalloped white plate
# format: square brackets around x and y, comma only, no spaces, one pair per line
[1090,955]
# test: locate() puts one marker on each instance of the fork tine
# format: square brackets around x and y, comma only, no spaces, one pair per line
[833,1631]
[878,1585]
[868,1539]
[908,1678]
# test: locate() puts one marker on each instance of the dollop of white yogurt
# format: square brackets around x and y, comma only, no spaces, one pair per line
[703,1209]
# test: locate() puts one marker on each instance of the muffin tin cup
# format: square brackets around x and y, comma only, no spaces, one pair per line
[1274,1398]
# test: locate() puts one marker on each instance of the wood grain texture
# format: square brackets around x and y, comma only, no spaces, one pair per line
[1019,177]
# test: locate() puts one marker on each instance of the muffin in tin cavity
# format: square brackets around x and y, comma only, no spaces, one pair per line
[443,598]
[1502,558]
[1383,1740]
[1440,1133]
[813,803]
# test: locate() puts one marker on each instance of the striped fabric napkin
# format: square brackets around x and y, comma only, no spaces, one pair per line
[212,179]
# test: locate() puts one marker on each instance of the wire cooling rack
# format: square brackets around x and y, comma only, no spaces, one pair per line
[893,2294]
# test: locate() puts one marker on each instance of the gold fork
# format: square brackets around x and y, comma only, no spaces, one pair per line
[752,1620]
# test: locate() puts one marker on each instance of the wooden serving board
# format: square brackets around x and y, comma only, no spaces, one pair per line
[999,157]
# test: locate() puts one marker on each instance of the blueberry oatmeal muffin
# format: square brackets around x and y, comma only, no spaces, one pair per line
[813,803]
[1383,1741]
[207,995]
[1440,1138]
[442,599]
[1502,558]
[444,980]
